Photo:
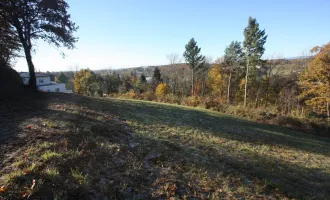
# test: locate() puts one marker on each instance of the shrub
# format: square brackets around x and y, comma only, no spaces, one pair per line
[131,94]
[217,104]
[192,101]
[173,99]
[11,83]
[148,96]
[162,90]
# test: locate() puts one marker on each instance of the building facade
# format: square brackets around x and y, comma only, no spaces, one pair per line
[44,83]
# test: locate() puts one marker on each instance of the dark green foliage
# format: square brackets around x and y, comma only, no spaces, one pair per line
[62,78]
[126,83]
[156,78]
[194,58]
[233,59]
[254,49]
[9,43]
[254,41]
[47,20]
[96,86]
[11,84]
[111,83]
[143,78]
[234,54]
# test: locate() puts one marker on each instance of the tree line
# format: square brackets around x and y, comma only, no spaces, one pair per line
[240,77]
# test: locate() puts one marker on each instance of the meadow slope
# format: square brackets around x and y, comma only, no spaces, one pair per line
[63,146]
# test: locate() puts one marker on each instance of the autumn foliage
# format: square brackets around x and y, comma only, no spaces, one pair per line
[87,83]
[217,80]
[162,89]
[315,81]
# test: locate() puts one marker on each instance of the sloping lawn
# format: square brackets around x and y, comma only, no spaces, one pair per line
[75,147]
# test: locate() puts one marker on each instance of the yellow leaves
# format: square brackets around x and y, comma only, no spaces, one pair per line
[242,83]
[162,89]
[217,79]
[83,81]
[315,81]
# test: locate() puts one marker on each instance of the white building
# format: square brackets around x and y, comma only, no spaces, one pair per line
[44,84]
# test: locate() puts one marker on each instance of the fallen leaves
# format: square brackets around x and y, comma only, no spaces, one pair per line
[28,190]
[3,189]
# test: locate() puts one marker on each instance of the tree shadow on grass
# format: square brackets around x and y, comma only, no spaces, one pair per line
[116,170]
[100,158]
[220,125]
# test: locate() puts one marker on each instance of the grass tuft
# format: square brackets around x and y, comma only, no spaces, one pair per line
[51,171]
[79,176]
[50,154]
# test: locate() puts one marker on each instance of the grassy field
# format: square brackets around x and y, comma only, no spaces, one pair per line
[73,147]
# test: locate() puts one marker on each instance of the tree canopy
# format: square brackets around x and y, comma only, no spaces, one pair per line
[194,58]
[9,43]
[47,20]
[62,78]
[254,47]
[315,81]
[156,78]
[88,83]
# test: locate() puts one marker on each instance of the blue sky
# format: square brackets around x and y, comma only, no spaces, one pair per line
[131,33]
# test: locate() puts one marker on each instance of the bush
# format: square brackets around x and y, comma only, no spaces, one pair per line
[216,104]
[148,96]
[11,83]
[192,101]
[131,94]
[162,90]
[173,99]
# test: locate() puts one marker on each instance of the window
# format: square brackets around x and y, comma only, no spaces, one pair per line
[41,81]
[57,89]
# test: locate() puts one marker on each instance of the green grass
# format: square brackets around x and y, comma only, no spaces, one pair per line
[49,123]
[50,154]
[128,149]
[280,157]
[52,172]
[79,176]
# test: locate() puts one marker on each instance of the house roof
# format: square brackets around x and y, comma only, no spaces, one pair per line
[50,84]
[42,75]
[37,74]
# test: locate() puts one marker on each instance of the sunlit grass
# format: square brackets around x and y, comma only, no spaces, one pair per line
[45,145]
[49,123]
[51,171]
[79,176]
[13,175]
[50,154]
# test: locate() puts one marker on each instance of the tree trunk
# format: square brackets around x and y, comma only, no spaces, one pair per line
[246,81]
[28,57]
[257,101]
[267,93]
[328,110]
[257,95]
[228,92]
[193,83]
[32,81]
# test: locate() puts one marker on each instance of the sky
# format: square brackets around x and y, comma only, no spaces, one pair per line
[131,33]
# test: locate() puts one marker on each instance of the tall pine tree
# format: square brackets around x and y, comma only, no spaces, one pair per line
[156,78]
[233,59]
[195,60]
[253,47]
